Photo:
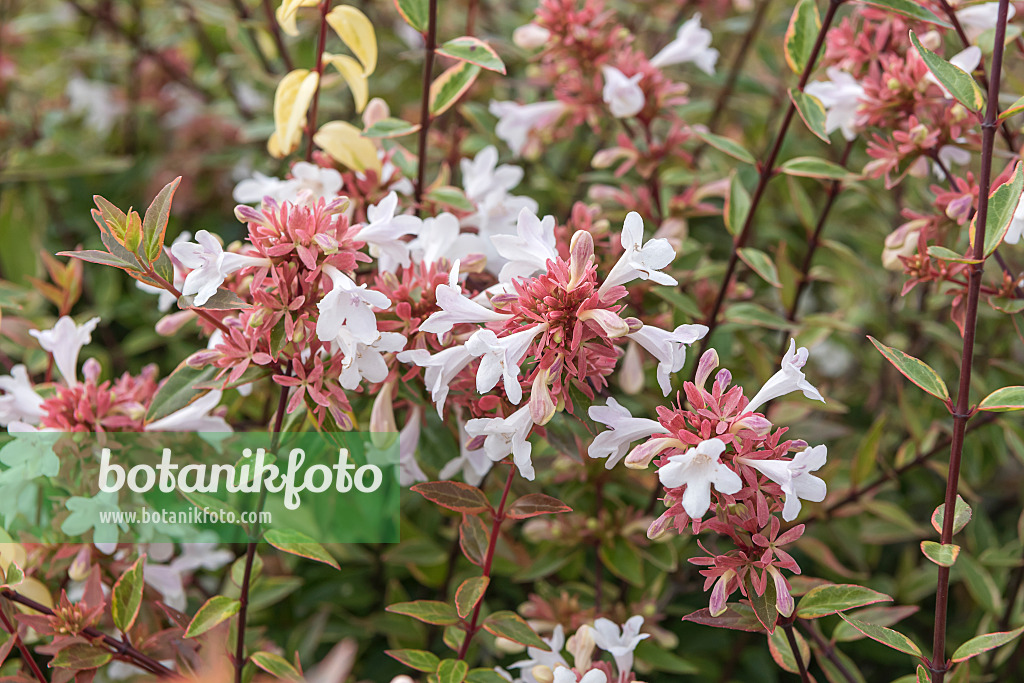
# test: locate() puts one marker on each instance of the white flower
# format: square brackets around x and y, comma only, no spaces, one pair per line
[623,429]
[483,175]
[385,230]
[441,369]
[516,121]
[977,19]
[210,264]
[19,401]
[500,359]
[65,340]
[639,260]
[1016,229]
[361,361]
[195,417]
[563,675]
[409,471]
[96,101]
[440,237]
[530,36]
[167,299]
[840,95]
[550,658]
[622,94]
[668,347]
[795,478]
[967,60]
[473,463]
[699,468]
[348,306]
[506,435]
[692,44]
[496,214]
[530,249]
[321,183]
[457,309]
[620,643]
[788,379]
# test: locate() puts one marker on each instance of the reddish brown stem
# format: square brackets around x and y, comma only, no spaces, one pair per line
[321,44]
[499,517]
[962,413]
[425,119]
[177,294]
[275,30]
[26,656]
[795,648]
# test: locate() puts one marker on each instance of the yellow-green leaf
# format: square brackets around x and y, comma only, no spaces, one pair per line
[885,636]
[761,263]
[737,205]
[297,543]
[824,600]
[727,146]
[215,611]
[126,596]
[510,625]
[474,51]
[450,86]
[990,641]
[1003,400]
[354,76]
[813,167]
[812,111]
[803,29]
[291,102]
[908,8]
[287,12]
[1015,108]
[346,145]
[276,665]
[1001,206]
[356,31]
[421,660]
[917,371]
[415,13]
[469,594]
[958,82]
[961,515]
[941,554]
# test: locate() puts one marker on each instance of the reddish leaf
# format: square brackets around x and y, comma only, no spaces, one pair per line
[534,504]
[454,495]
[474,537]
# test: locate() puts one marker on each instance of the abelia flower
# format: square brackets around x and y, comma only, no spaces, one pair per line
[348,306]
[564,675]
[517,121]
[551,659]
[482,175]
[620,643]
[640,260]
[409,471]
[530,36]
[668,347]
[472,462]
[530,249]
[362,361]
[699,468]
[507,435]
[840,95]
[167,299]
[456,308]
[65,341]
[623,429]
[210,265]
[977,19]
[441,369]
[319,182]
[439,238]
[500,359]
[788,379]
[795,478]
[195,417]
[691,44]
[19,401]
[384,231]
[622,94]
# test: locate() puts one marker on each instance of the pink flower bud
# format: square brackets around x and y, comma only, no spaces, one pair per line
[581,253]
[530,36]
[542,407]
[641,456]
[383,428]
[708,363]
[327,243]
[631,375]
[91,370]
[171,323]
[200,359]
[376,109]
[610,322]
[79,569]
[755,423]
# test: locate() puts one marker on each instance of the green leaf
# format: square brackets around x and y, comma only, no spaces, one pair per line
[297,543]
[450,86]
[81,656]
[727,146]
[421,660]
[535,504]
[764,605]
[469,594]
[949,255]
[1015,108]
[824,600]
[980,584]
[908,8]
[990,641]
[782,653]
[452,671]
[813,167]
[623,559]
[663,660]
[1003,400]
[761,263]
[880,615]
[450,196]
[114,218]
[428,611]
[154,225]
[885,636]
[454,495]
[737,205]
[749,313]
[390,128]
[178,391]
[126,596]
[474,51]
[474,537]
[276,666]
[801,34]
[942,555]
[238,569]
[1001,207]
[922,674]
[812,111]
[918,372]
[222,300]
[415,13]
[510,625]
[484,676]
[958,82]
[215,611]
[101,257]
[961,515]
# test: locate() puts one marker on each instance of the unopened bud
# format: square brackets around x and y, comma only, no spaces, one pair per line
[171,323]
[581,254]
[582,645]
[631,376]
[383,429]
[641,456]
[542,673]
[530,36]
[326,242]
[610,322]
[376,110]
[79,569]
[708,363]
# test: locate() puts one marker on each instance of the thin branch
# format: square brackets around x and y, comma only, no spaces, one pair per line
[321,44]
[275,31]
[26,655]
[795,648]
[827,649]
[425,120]
[244,19]
[962,412]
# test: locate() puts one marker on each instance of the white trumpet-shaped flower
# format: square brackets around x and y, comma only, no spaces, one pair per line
[623,430]
[19,401]
[507,435]
[500,357]
[384,231]
[529,250]
[456,308]
[441,369]
[668,347]
[210,265]
[348,306]
[622,94]
[1016,229]
[361,361]
[195,417]
[65,341]
[977,19]
[699,469]
[795,478]
[789,378]
[516,121]
[639,260]
[692,44]
[840,95]
[620,643]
